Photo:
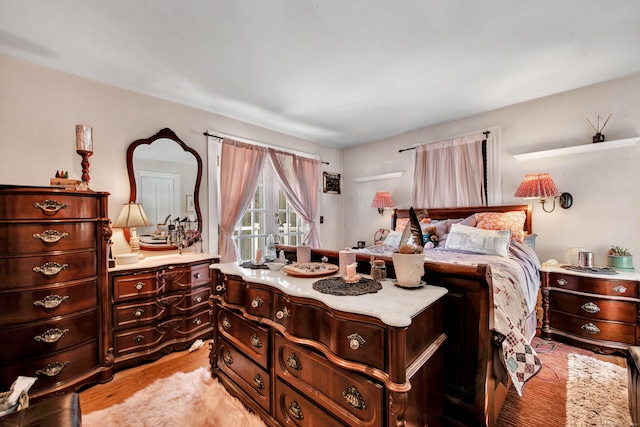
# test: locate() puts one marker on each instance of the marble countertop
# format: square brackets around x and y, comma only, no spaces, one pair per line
[393,305]
[622,275]
[159,260]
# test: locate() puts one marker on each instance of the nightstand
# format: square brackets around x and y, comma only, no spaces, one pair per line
[593,311]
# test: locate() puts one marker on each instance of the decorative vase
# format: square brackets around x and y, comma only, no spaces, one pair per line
[409,269]
[620,262]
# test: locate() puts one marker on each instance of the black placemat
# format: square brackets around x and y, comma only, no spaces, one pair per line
[337,286]
[249,264]
[594,270]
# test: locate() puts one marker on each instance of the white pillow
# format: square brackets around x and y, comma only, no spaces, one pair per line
[393,238]
[472,239]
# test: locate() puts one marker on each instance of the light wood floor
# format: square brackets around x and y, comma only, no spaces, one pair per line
[127,382]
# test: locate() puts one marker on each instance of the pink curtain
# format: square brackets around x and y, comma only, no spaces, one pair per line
[449,174]
[299,179]
[240,168]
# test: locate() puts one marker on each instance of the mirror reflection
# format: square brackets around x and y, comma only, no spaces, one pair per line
[165,178]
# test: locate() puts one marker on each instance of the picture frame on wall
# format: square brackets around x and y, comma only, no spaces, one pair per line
[190,205]
[331,182]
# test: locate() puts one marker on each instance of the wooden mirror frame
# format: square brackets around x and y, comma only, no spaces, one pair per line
[165,133]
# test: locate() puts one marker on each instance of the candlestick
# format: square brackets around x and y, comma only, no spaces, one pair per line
[84,147]
[351,270]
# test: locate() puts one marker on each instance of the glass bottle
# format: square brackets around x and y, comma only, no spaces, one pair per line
[378,270]
[270,248]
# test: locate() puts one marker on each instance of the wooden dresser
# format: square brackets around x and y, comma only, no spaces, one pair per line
[596,312]
[296,356]
[159,305]
[53,288]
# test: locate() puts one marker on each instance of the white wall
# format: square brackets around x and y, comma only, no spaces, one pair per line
[604,184]
[39,108]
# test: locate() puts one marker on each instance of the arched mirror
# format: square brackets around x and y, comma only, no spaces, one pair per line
[165,176]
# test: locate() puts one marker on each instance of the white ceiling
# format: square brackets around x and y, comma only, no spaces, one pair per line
[338,72]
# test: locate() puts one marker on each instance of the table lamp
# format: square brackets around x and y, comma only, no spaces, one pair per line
[131,216]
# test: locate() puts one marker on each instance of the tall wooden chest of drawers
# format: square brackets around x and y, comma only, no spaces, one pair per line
[159,305]
[53,288]
[597,312]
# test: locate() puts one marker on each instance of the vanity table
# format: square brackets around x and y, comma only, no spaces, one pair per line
[159,305]
[297,356]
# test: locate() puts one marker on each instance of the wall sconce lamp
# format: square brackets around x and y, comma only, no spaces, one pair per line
[131,216]
[540,186]
[382,200]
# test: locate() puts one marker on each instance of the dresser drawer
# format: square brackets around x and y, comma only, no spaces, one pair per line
[125,315]
[294,409]
[247,336]
[42,237]
[135,286]
[20,342]
[359,399]
[594,329]
[52,369]
[600,285]
[595,308]
[48,206]
[22,272]
[254,380]
[47,301]
[356,341]
[259,302]
[200,274]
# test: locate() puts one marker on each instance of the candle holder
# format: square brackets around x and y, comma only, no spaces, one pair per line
[84,147]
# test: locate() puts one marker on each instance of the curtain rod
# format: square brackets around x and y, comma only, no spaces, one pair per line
[249,141]
[486,135]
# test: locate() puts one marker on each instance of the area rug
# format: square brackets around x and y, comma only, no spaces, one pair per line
[191,399]
[596,393]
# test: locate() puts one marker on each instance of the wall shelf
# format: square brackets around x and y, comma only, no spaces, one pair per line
[606,145]
[378,177]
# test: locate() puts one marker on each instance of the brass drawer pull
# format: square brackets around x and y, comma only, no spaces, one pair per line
[590,307]
[221,288]
[228,359]
[139,338]
[562,282]
[257,302]
[355,341]
[226,323]
[198,298]
[354,398]
[255,341]
[52,369]
[50,268]
[49,206]
[139,286]
[620,289]
[590,328]
[257,381]
[52,335]
[50,236]
[51,301]
[197,321]
[139,312]
[294,362]
[295,411]
[284,313]
[197,275]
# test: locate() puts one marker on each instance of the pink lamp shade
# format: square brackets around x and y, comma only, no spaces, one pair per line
[382,200]
[540,186]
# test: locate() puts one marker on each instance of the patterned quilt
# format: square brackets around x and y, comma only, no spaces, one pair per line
[516,282]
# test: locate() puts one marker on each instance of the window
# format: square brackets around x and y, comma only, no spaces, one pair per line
[269,213]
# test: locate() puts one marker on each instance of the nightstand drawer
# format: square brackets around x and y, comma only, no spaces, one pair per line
[595,308]
[592,285]
[594,329]
[247,336]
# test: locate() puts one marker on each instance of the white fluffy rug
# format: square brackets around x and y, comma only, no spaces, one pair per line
[596,393]
[191,399]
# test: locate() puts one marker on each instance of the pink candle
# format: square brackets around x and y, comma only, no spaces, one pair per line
[258,254]
[351,269]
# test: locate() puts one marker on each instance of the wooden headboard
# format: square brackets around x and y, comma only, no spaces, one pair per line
[445,213]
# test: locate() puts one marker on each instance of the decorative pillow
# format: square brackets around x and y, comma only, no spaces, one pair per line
[468,221]
[401,223]
[478,240]
[441,226]
[393,238]
[513,220]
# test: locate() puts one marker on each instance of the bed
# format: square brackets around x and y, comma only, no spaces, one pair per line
[478,371]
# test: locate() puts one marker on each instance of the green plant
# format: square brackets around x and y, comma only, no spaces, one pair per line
[619,251]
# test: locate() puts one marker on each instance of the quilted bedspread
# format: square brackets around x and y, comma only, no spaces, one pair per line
[516,282]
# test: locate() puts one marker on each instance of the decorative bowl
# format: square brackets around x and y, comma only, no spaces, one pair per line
[275,266]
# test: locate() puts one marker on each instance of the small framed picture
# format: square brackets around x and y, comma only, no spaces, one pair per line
[190,206]
[331,182]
